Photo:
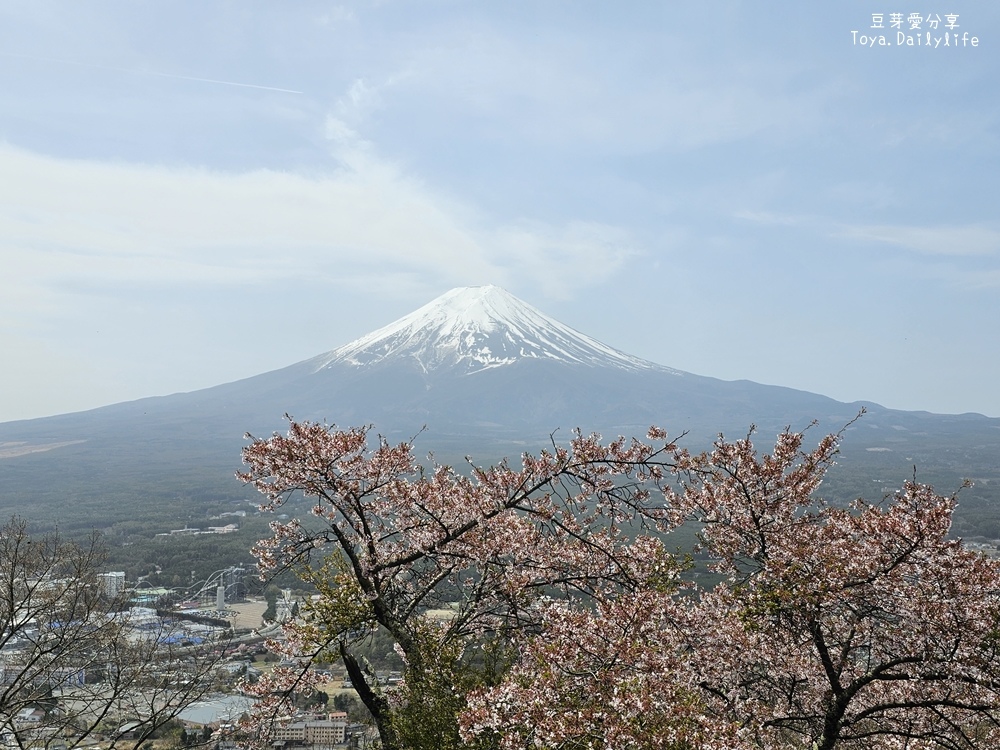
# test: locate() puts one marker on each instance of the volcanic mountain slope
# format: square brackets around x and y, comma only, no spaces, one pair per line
[472,329]
[486,373]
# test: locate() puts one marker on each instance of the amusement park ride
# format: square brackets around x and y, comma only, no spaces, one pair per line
[223,587]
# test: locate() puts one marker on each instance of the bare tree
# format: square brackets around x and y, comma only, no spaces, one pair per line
[74,661]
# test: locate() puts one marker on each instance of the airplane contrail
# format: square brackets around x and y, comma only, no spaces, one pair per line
[152,73]
[213,80]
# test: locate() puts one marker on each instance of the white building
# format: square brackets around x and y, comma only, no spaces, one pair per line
[320,734]
[114,583]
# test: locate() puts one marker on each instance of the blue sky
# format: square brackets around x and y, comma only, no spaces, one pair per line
[195,192]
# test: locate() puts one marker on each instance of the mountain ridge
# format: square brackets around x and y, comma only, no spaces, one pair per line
[542,377]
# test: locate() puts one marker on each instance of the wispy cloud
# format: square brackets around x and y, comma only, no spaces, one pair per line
[555,92]
[564,259]
[156,73]
[769,218]
[67,223]
[976,239]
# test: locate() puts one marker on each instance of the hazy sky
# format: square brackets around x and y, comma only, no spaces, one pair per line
[196,192]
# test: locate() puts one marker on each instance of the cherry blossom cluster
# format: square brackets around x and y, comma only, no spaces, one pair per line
[859,627]
[493,544]
[832,627]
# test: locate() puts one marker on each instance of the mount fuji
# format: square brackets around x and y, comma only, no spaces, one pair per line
[479,361]
[478,328]
[484,372]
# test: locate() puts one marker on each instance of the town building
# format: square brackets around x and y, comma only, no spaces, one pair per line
[318,734]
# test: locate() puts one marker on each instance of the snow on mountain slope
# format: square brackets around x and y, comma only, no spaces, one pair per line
[471,329]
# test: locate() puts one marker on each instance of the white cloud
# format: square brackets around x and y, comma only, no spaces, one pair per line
[563,259]
[768,218]
[976,239]
[70,223]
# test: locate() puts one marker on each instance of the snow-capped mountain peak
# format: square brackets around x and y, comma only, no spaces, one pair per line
[477,328]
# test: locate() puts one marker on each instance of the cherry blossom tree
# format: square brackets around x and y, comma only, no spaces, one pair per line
[859,627]
[539,606]
[391,544]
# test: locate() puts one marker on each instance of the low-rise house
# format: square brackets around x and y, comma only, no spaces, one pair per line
[29,716]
